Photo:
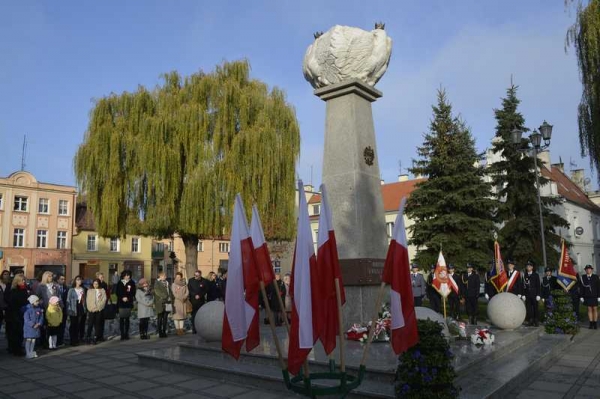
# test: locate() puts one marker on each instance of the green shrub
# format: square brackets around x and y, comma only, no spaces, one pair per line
[560,316]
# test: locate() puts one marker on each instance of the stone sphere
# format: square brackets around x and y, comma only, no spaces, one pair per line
[209,320]
[506,311]
[426,313]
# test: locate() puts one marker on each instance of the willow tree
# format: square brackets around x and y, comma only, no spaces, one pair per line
[584,36]
[174,157]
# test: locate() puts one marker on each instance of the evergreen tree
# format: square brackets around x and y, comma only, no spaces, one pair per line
[177,156]
[453,208]
[514,179]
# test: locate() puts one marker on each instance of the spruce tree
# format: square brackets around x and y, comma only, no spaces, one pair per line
[453,208]
[513,176]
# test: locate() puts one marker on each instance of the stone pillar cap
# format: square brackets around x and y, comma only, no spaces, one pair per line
[352,86]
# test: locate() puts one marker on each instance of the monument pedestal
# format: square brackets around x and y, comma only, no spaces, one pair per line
[351,175]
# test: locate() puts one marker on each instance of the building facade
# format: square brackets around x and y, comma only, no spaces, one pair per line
[92,253]
[36,225]
[213,254]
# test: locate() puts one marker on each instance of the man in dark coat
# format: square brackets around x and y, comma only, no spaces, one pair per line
[531,294]
[514,280]
[435,299]
[63,290]
[213,293]
[549,284]
[453,296]
[197,287]
[471,293]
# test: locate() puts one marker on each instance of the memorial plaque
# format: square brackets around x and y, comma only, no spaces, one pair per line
[361,271]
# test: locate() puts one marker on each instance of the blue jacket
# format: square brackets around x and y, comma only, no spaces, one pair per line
[32,316]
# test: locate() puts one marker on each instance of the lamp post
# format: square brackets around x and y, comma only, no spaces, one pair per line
[534,144]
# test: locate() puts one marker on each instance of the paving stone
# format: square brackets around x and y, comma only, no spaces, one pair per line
[66,379]
[23,387]
[128,369]
[11,380]
[592,382]
[162,392]
[225,390]
[590,391]
[138,386]
[198,383]
[562,378]
[550,386]
[566,370]
[78,387]
[98,394]
[175,379]
[43,376]
[82,370]
[113,364]
[151,373]
[35,394]
[192,396]
[530,394]
[118,379]
[258,395]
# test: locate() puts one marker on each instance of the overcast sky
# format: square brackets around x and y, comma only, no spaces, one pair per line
[56,57]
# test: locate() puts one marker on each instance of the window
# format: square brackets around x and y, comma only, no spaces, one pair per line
[44,205]
[316,236]
[389,227]
[92,242]
[224,247]
[115,244]
[135,244]
[20,203]
[316,209]
[170,246]
[61,240]
[42,238]
[1,201]
[19,238]
[200,246]
[63,207]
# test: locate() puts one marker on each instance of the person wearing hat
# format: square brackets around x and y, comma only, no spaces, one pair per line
[531,294]
[145,302]
[471,285]
[435,299]
[514,283]
[54,318]
[33,320]
[418,285]
[590,295]
[453,298]
[549,283]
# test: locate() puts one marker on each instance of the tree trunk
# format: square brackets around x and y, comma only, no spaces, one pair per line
[191,254]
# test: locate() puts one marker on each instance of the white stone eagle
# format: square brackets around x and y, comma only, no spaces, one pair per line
[344,53]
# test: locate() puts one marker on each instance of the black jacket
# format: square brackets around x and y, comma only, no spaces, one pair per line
[125,291]
[471,283]
[517,287]
[531,285]
[590,286]
[198,287]
[548,285]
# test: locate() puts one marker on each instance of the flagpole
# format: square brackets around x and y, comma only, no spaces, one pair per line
[272,325]
[363,361]
[444,302]
[338,295]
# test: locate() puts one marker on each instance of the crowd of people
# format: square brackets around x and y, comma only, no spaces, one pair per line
[526,285]
[38,314]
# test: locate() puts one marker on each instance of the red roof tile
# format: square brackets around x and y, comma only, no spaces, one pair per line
[568,189]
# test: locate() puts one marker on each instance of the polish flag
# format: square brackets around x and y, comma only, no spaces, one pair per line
[304,330]
[240,321]
[261,252]
[396,272]
[328,266]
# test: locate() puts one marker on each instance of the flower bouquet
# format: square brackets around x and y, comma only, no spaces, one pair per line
[383,329]
[482,337]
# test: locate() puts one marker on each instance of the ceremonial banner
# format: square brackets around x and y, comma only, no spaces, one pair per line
[567,276]
[498,277]
[440,279]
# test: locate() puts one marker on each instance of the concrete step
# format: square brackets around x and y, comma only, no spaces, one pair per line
[497,378]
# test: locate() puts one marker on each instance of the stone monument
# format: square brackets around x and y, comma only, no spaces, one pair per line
[343,65]
[506,311]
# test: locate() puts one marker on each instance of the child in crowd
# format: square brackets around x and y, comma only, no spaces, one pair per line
[33,321]
[54,316]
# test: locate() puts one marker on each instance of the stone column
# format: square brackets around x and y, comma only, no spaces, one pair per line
[351,175]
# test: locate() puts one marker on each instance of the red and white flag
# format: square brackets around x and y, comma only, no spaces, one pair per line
[261,251]
[240,321]
[396,272]
[304,330]
[440,281]
[328,266]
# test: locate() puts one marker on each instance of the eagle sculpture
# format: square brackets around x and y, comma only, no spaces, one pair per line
[344,53]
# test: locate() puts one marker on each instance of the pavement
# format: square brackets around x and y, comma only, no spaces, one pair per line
[109,370]
[574,375]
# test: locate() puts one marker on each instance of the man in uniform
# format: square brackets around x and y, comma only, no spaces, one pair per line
[418,285]
[549,284]
[453,299]
[435,299]
[515,283]
[471,293]
[531,294]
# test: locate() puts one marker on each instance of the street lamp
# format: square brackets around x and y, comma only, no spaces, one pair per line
[534,144]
